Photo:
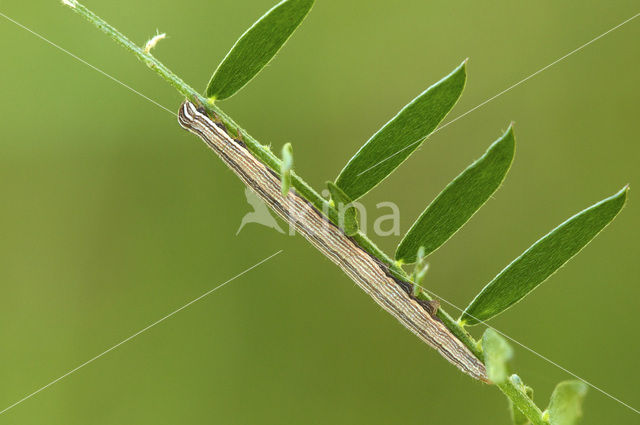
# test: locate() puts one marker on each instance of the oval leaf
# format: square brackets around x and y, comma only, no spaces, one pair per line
[542,259]
[256,47]
[459,201]
[565,407]
[497,352]
[347,213]
[402,135]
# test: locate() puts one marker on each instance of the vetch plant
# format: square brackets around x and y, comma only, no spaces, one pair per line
[331,224]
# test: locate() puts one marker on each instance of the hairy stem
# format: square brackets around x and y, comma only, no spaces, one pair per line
[522,402]
[519,399]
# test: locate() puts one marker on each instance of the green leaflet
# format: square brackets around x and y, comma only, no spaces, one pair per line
[402,135]
[459,201]
[496,354]
[565,407]
[347,213]
[256,47]
[542,259]
[285,168]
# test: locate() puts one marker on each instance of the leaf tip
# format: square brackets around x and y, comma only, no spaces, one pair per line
[626,188]
[458,73]
[509,134]
[462,68]
[620,196]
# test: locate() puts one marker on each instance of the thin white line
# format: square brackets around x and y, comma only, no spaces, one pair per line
[506,90]
[137,333]
[533,351]
[87,63]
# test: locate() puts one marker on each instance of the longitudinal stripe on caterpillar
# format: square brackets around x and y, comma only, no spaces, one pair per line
[368,272]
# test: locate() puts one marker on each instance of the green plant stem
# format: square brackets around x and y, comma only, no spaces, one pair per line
[261,151]
[147,58]
[269,158]
[520,399]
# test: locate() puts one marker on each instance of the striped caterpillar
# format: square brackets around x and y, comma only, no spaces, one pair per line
[367,272]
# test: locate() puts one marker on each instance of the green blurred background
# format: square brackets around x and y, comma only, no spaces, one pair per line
[112,216]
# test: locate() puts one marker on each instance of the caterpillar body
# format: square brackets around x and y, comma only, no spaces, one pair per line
[367,272]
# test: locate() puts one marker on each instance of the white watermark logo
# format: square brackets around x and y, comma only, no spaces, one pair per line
[387,224]
[260,213]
